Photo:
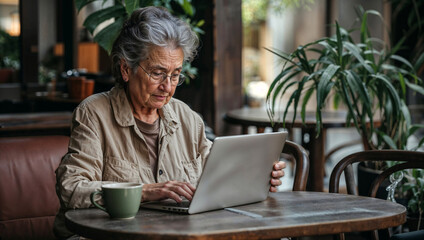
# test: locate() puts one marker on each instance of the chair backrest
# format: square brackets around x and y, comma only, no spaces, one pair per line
[407,159]
[28,200]
[296,153]
[410,159]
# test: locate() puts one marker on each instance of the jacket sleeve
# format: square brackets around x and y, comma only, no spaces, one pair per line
[80,171]
[204,144]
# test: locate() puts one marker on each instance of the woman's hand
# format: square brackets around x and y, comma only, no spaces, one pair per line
[171,189]
[276,174]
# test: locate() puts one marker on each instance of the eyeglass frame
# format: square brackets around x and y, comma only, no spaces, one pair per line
[181,77]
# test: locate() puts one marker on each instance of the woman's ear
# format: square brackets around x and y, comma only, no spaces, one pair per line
[125,70]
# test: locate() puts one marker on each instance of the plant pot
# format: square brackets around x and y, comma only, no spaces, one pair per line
[80,87]
[6,75]
[89,87]
[366,177]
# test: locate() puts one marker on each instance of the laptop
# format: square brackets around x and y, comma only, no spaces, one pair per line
[237,172]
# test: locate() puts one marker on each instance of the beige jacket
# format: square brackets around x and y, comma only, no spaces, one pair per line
[106,146]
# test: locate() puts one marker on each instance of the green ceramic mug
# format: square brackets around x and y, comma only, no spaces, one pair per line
[121,200]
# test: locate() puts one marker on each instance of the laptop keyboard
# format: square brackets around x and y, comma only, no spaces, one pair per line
[185,203]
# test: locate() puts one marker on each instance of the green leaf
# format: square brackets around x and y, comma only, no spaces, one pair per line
[131,5]
[348,102]
[391,90]
[198,30]
[79,4]
[289,102]
[306,98]
[323,89]
[278,80]
[406,114]
[325,84]
[107,36]
[364,29]
[303,60]
[357,86]
[96,18]
[339,45]
[282,55]
[420,182]
[396,48]
[357,53]
[276,92]
[189,71]
[412,204]
[420,143]
[364,22]
[419,62]
[336,100]
[187,7]
[297,95]
[414,128]
[408,186]
[331,51]
[402,83]
[387,139]
[200,23]
[415,87]
[402,60]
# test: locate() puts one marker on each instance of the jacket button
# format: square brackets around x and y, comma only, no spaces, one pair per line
[160,172]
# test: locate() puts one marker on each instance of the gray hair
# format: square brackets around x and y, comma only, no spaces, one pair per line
[148,27]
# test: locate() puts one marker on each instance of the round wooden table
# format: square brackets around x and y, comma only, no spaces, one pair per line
[283,214]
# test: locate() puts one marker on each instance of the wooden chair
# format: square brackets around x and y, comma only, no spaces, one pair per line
[409,159]
[297,154]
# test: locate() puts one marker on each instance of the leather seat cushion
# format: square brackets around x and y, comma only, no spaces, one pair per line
[28,228]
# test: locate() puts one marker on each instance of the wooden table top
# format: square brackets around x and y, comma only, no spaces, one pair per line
[283,214]
[259,116]
[25,124]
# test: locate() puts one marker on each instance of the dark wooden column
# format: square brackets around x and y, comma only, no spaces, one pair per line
[29,41]
[227,57]
[198,94]
[68,15]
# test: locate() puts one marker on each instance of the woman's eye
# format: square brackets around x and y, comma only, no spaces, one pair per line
[157,74]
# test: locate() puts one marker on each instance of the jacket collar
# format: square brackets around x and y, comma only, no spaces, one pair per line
[123,114]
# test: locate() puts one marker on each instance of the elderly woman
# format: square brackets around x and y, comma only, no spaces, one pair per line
[137,132]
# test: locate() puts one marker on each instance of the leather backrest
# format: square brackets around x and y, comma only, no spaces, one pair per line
[27,176]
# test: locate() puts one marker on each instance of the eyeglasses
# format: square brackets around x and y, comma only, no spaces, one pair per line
[160,77]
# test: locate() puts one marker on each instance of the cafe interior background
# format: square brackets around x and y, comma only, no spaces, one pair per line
[43,43]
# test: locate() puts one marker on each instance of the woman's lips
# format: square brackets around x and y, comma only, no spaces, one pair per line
[159,97]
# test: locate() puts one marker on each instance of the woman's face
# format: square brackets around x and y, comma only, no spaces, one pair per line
[144,93]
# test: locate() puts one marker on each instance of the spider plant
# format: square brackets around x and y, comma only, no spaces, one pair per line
[367,77]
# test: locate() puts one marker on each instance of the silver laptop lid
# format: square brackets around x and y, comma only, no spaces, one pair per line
[237,171]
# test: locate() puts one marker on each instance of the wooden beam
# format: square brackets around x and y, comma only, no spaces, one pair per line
[227,58]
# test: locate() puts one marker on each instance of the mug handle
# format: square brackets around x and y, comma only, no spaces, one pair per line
[94,202]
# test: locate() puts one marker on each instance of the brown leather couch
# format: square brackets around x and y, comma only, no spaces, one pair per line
[28,200]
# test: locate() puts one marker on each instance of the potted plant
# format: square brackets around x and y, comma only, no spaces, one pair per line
[371,81]
[121,10]
[413,188]
[367,77]
[9,56]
